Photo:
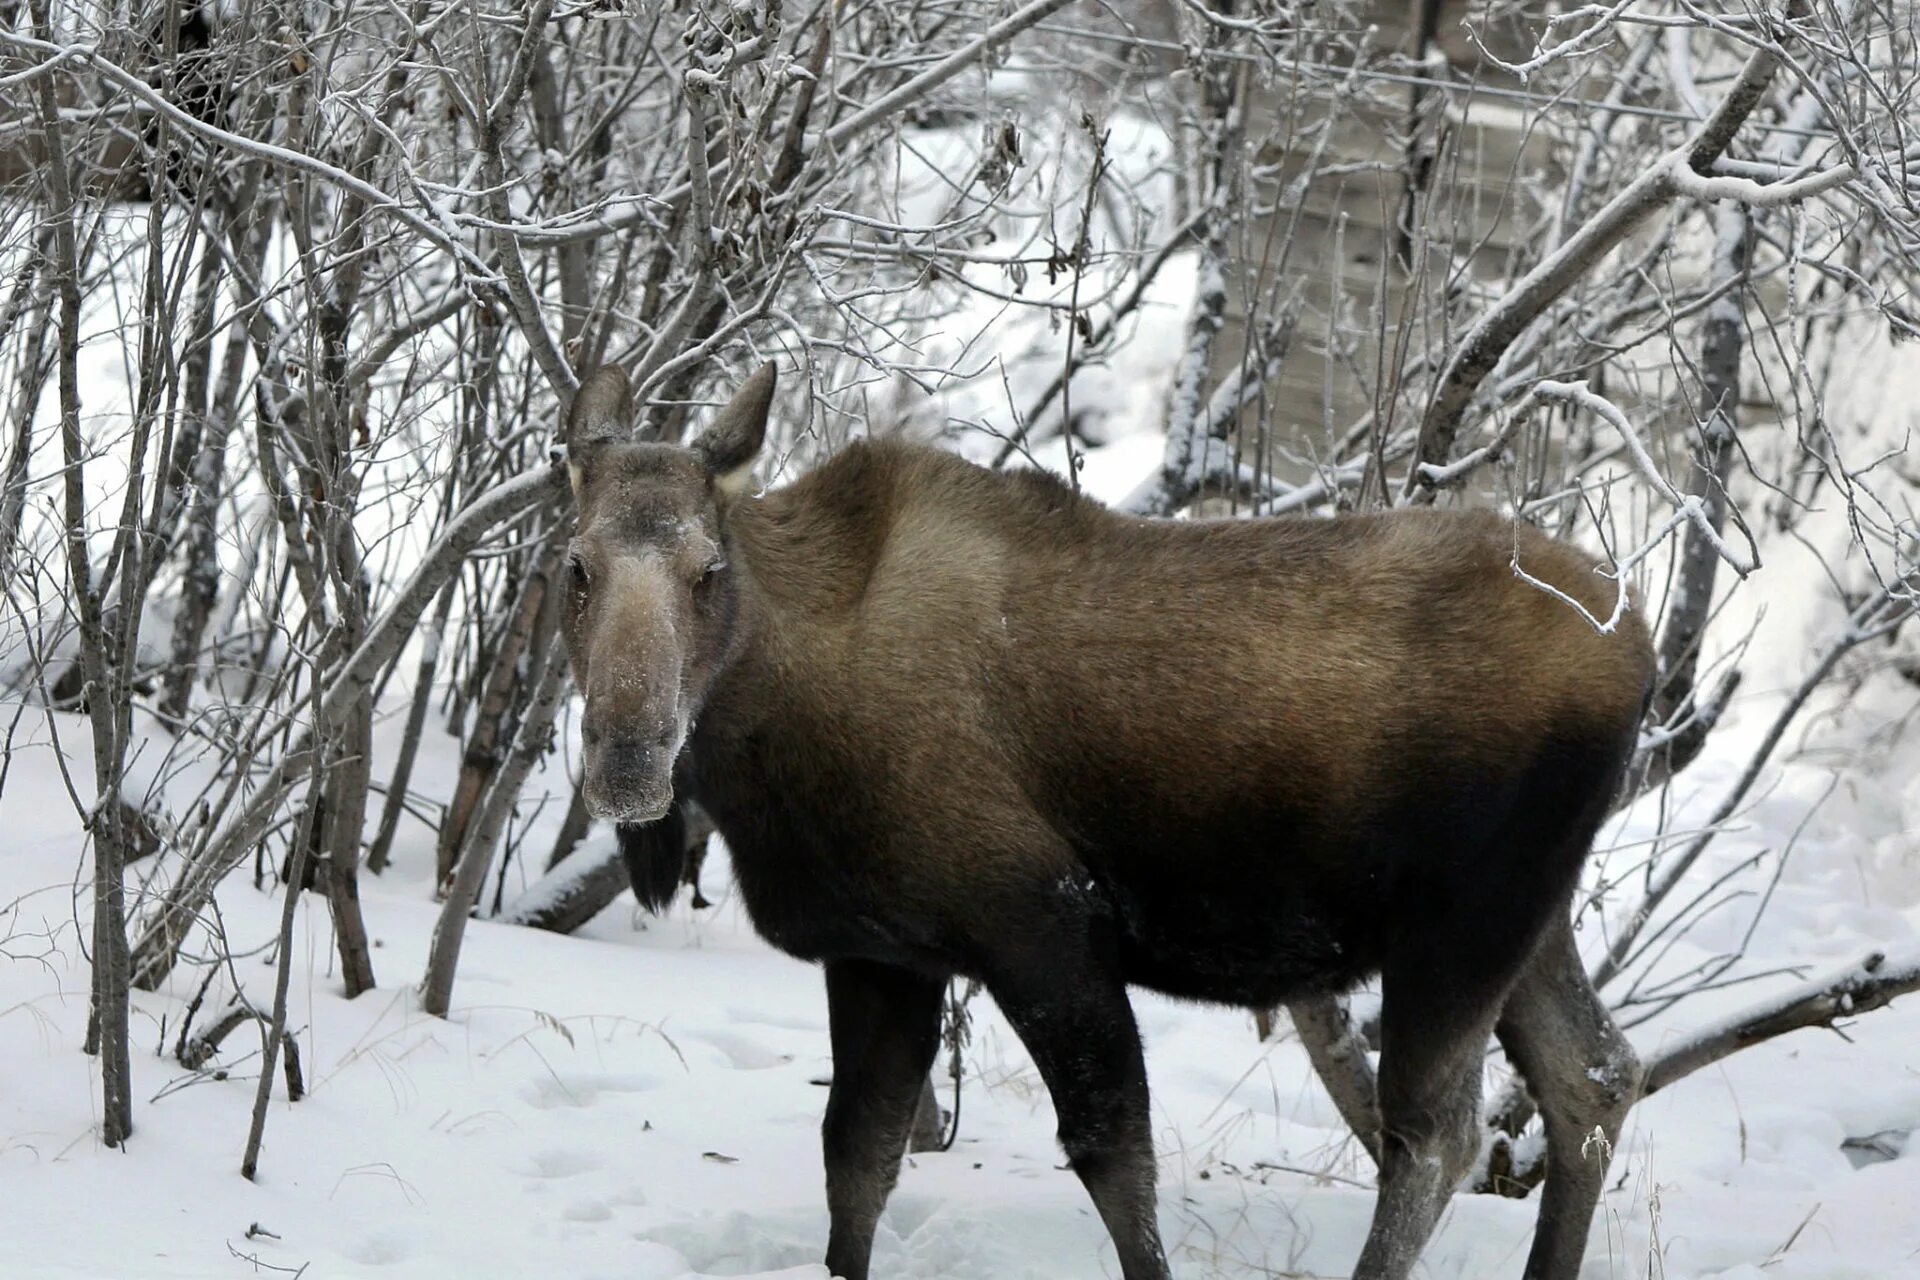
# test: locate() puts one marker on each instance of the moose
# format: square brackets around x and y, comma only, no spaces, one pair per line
[953,721]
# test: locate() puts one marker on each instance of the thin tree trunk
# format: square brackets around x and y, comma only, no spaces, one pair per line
[108,1029]
[396,801]
[276,1030]
[32,295]
[1338,1052]
[1422,148]
[492,726]
[444,955]
[1198,448]
[206,470]
[1713,455]
[225,848]
[200,574]
[346,814]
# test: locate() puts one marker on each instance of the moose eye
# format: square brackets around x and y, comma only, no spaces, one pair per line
[577,569]
[711,574]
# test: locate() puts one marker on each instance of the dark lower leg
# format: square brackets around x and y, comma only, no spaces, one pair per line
[1119,1177]
[1434,1025]
[885,1028]
[1425,1149]
[1079,1027]
[1584,1077]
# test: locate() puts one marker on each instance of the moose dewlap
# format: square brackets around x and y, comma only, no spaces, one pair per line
[958,722]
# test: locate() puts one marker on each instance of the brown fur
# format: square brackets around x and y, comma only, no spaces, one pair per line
[952,721]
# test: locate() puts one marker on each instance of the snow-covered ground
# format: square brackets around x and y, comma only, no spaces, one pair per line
[643,1101]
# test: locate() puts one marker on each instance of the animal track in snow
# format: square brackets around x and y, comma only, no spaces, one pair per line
[379,1250]
[743,1052]
[735,1243]
[907,1213]
[559,1162]
[587,1210]
[581,1088]
[741,1015]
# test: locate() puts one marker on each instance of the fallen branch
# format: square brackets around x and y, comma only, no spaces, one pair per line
[574,892]
[1512,1164]
[1872,984]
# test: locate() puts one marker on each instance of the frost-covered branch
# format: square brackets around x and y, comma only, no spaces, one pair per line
[1481,349]
[1871,984]
[1765,195]
[1690,507]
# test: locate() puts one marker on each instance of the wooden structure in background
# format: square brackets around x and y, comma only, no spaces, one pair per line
[1339,255]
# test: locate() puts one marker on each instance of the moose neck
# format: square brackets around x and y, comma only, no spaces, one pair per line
[797,558]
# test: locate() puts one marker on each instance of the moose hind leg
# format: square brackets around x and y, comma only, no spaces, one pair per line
[1072,1013]
[885,1027]
[1429,1111]
[1441,989]
[1584,1077]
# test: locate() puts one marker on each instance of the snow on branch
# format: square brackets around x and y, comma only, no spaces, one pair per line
[1586,40]
[1688,506]
[1766,195]
[1871,984]
[1511,1167]
[570,228]
[573,892]
[1687,509]
[280,157]
[1200,456]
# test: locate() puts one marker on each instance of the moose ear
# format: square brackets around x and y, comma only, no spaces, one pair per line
[730,445]
[602,412]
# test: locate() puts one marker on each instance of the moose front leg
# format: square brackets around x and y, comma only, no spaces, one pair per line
[885,1025]
[1072,1013]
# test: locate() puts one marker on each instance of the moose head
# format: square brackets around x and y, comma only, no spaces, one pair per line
[652,601]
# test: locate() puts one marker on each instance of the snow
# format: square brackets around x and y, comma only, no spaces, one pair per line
[644,1101]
